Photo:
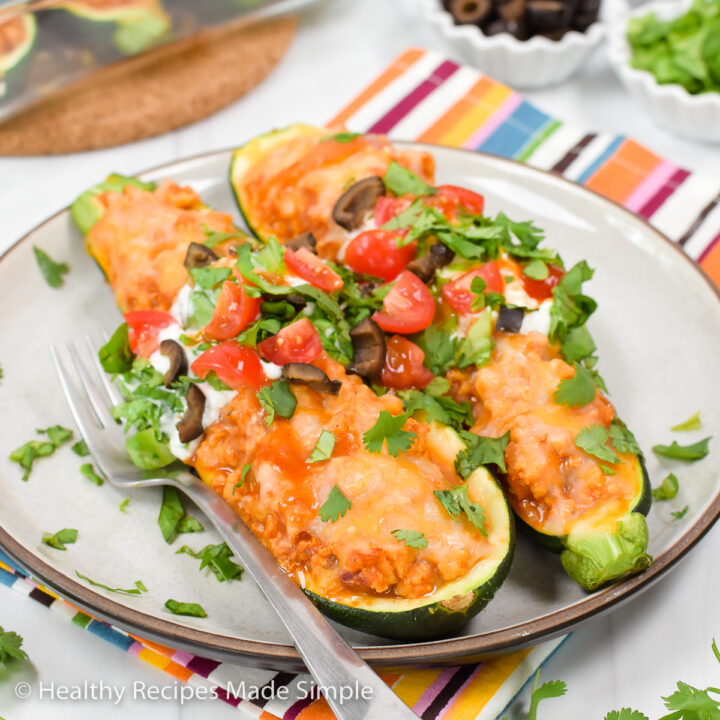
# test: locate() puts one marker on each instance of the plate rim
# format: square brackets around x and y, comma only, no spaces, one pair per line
[437,651]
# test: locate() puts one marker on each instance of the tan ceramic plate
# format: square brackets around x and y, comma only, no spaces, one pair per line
[657,328]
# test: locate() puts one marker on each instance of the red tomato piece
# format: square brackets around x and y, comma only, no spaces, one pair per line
[236,365]
[297,342]
[144,326]
[458,293]
[404,365]
[234,311]
[542,289]
[376,252]
[453,197]
[311,268]
[386,208]
[408,307]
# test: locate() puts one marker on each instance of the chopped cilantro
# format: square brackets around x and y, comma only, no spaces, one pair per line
[243,474]
[437,408]
[457,501]
[26,454]
[185,608]
[668,490]
[389,428]
[476,347]
[203,309]
[57,435]
[115,355]
[482,451]
[553,689]
[137,590]
[570,308]
[680,513]
[277,399]
[11,648]
[335,506]
[217,558]
[623,439]
[60,539]
[215,382]
[323,447]
[88,471]
[271,257]
[692,423]
[123,505]
[80,449]
[213,239]
[578,344]
[172,519]
[401,181]
[593,440]
[578,390]
[439,347]
[688,453]
[52,272]
[536,270]
[411,538]
[209,277]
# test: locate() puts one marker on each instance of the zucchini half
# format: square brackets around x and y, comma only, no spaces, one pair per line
[606,544]
[14,65]
[127,28]
[447,609]
[245,158]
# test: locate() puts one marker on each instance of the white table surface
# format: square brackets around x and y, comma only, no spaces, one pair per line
[629,658]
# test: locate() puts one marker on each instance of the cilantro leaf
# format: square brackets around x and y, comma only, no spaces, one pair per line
[123,505]
[184,608]
[147,452]
[439,347]
[202,311]
[678,514]
[137,590]
[115,355]
[389,428]
[578,390]
[457,501]
[482,451]
[11,647]
[323,447]
[279,399]
[593,440]
[439,409]
[553,689]
[536,270]
[476,347]
[63,537]
[88,471]
[623,439]
[578,344]
[570,308]
[217,558]
[626,714]
[688,453]
[667,490]
[690,703]
[80,449]
[26,455]
[209,277]
[52,272]
[411,538]
[213,239]
[692,423]
[57,435]
[243,475]
[401,181]
[335,506]
[271,257]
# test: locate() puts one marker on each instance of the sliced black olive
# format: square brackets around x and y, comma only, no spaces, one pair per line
[512,11]
[368,342]
[178,361]
[314,377]
[199,255]
[472,12]
[548,16]
[297,300]
[425,267]
[351,207]
[306,240]
[509,319]
[190,426]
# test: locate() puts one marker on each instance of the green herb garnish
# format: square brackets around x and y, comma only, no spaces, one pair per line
[52,272]
[688,453]
[60,539]
[277,399]
[137,590]
[335,506]
[401,181]
[389,429]
[668,490]
[185,608]
[593,440]
[457,501]
[323,447]
[692,423]
[217,558]
[411,538]
[481,451]
[578,390]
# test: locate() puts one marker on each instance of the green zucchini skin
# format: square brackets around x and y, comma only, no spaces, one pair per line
[15,66]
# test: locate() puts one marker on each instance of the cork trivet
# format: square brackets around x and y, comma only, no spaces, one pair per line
[150,94]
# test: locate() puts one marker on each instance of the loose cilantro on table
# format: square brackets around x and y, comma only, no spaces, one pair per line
[123,505]
[688,453]
[578,390]
[26,454]
[692,423]
[88,471]
[277,399]
[626,714]
[60,539]
[335,506]
[52,271]
[593,440]
[11,648]
[323,447]
[667,490]
[137,590]
[678,514]
[481,451]
[457,501]
[411,538]
[185,608]
[80,449]
[173,519]
[217,558]
[401,181]
[389,429]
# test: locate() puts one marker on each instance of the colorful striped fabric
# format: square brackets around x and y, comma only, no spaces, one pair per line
[423,96]
[465,692]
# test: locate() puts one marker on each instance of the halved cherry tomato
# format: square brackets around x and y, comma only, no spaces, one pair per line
[408,307]
[297,342]
[236,365]
[311,268]
[404,365]
[386,208]
[376,252]
[234,311]
[450,197]
[144,326]
[542,289]
[458,293]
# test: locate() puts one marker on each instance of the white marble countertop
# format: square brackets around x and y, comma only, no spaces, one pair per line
[629,658]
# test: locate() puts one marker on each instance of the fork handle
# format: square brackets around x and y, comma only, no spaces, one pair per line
[332,663]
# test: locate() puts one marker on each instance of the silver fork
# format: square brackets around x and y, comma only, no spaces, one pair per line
[330,660]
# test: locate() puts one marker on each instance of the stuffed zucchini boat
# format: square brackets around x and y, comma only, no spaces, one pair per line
[478,300]
[17,41]
[242,378]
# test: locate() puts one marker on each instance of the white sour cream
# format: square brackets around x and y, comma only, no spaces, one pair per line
[538,320]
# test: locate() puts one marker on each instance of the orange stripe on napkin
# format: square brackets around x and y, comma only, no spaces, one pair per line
[410,687]
[710,261]
[476,115]
[398,68]
[628,167]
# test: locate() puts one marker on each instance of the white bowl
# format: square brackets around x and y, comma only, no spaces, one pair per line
[534,63]
[672,106]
